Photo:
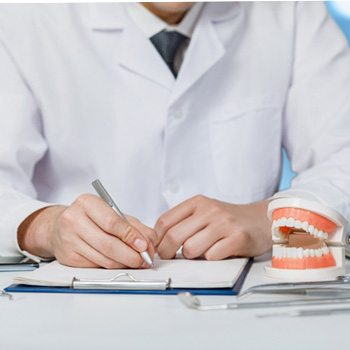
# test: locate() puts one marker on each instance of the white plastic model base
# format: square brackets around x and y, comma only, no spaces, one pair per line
[297,217]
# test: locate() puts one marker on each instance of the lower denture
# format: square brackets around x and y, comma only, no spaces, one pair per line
[304,263]
[306,242]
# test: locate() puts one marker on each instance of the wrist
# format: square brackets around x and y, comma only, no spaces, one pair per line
[36,231]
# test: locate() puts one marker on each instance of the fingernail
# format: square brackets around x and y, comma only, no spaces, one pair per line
[140,244]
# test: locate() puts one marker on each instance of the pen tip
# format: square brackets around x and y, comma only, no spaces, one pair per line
[148,260]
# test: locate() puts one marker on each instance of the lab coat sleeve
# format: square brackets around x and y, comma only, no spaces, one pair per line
[317,114]
[21,146]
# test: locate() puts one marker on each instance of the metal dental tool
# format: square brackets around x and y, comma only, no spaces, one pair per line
[341,284]
[5,294]
[192,302]
[309,312]
[347,247]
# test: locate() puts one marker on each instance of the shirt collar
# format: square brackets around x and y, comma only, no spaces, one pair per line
[151,24]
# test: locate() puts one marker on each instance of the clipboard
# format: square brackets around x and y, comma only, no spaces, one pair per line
[125,283]
[17,263]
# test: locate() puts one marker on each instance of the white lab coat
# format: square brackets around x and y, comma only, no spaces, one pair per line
[85,95]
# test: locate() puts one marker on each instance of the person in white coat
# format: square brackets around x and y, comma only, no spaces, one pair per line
[184,129]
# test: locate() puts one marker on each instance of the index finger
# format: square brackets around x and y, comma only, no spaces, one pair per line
[174,216]
[109,221]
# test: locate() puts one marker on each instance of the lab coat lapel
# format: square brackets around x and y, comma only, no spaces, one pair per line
[208,45]
[135,52]
[140,56]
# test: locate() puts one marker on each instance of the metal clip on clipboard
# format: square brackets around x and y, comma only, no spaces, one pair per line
[123,281]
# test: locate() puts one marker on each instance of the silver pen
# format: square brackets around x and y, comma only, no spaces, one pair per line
[102,192]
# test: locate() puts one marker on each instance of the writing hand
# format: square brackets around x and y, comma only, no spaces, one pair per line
[88,233]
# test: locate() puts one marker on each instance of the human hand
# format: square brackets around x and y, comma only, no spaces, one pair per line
[213,229]
[88,233]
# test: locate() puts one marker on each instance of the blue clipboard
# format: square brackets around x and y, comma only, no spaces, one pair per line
[21,288]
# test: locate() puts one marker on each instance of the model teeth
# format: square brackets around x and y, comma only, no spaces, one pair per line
[298,224]
[305,226]
[325,250]
[292,223]
[281,251]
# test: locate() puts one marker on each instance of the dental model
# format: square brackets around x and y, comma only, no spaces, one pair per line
[308,240]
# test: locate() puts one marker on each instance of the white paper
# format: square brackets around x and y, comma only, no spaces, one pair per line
[183,273]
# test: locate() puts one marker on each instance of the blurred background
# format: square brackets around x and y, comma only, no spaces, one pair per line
[340,11]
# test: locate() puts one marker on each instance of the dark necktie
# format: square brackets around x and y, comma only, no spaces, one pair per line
[167,44]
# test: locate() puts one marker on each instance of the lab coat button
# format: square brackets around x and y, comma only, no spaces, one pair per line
[172,187]
[178,115]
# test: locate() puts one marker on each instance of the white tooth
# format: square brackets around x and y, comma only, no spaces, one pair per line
[306,253]
[290,222]
[295,253]
[318,252]
[311,229]
[312,252]
[275,234]
[321,234]
[325,235]
[315,232]
[300,253]
[274,251]
[325,250]
[305,225]
[287,253]
[274,224]
[283,221]
[290,253]
[298,224]
[279,252]
[284,252]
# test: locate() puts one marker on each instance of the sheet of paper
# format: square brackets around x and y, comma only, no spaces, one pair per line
[183,273]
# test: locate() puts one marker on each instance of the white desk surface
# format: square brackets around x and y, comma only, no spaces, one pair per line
[66,321]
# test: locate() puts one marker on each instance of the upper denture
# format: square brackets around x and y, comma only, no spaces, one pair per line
[309,221]
[286,224]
